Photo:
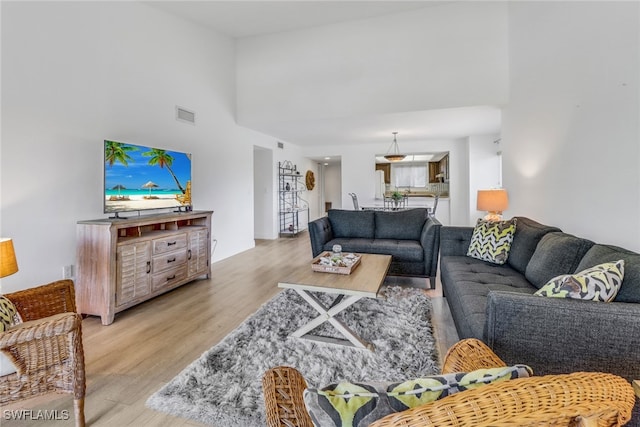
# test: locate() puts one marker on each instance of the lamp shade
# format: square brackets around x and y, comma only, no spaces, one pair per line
[493,200]
[8,262]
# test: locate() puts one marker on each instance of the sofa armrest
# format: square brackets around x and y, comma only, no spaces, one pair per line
[558,335]
[320,232]
[454,241]
[430,242]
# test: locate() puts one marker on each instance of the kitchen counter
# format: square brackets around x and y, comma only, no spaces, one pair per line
[420,194]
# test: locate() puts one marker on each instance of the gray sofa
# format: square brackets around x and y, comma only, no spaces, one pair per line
[495,303]
[411,237]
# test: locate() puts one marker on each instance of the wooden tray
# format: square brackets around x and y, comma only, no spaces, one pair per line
[316,266]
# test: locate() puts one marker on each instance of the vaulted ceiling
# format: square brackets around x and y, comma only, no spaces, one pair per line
[239,19]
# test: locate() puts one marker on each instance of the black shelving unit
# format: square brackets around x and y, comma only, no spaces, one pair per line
[293,209]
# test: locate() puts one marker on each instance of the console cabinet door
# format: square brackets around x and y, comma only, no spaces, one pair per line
[198,255]
[133,278]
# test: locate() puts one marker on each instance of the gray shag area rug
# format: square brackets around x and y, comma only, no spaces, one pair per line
[223,387]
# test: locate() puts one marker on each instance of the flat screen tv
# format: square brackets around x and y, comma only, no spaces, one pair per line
[138,178]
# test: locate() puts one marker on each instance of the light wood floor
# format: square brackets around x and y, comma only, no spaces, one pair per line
[149,344]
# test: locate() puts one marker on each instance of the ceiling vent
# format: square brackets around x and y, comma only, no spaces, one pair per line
[185,115]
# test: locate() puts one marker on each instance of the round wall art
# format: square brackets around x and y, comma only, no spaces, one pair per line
[310,180]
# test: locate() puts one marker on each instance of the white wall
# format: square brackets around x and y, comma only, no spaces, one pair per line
[310,196]
[484,170]
[317,197]
[75,73]
[449,55]
[571,129]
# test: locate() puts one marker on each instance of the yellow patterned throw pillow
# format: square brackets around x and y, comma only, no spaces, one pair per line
[491,240]
[349,404]
[599,283]
[7,313]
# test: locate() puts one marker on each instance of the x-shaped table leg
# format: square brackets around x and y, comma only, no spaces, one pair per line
[327,315]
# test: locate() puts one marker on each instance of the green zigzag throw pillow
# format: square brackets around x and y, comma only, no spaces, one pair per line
[599,283]
[491,240]
[7,313]
[348,404]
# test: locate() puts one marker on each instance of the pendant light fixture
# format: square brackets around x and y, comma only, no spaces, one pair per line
[393,155]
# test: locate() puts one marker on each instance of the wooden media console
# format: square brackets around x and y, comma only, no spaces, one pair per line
[123,262]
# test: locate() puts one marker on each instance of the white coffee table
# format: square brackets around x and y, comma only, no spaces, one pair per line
[363,282]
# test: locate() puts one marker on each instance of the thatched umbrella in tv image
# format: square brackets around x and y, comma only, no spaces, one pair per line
[150,185]
[119,187]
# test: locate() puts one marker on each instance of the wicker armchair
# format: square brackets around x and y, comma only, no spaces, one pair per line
[581,399]
[46,348]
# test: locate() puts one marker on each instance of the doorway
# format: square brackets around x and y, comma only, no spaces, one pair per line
[263,194]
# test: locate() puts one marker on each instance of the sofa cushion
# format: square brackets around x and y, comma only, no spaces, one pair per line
[350,245]
[467,282]
[358,404]
[557,253]
[400,225]
[352,223]
[401,250]
[598,254]
[599,283]
[469,270]
[491,240]
[525,241]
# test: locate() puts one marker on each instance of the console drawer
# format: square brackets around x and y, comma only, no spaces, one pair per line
[169,277]
[168,261]
[169,243]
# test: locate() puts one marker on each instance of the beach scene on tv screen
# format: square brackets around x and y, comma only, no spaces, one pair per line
[139,178]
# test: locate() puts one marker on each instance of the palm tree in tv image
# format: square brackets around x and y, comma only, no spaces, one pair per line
[163,159]
[117,152]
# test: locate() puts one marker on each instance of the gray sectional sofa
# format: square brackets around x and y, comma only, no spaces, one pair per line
[411,237]
[495,303]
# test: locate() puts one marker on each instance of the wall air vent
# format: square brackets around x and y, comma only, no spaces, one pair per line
[185,115]
[280,144]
